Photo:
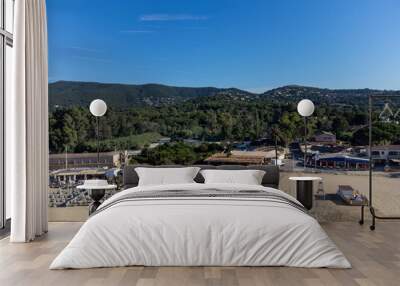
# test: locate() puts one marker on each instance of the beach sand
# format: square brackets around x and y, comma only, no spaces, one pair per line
[386,197]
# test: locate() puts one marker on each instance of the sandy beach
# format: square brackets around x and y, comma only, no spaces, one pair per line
[386,197]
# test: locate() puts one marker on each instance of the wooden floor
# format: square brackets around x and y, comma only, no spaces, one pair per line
[375,257]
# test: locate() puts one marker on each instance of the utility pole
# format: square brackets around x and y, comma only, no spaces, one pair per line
[66,156]
[305,143]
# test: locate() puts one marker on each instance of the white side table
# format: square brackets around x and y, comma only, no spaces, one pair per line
[97,190]
[304,190]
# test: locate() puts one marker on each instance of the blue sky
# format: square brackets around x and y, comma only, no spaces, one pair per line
[253,45]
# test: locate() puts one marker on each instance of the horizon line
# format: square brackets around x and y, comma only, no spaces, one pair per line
[249,90]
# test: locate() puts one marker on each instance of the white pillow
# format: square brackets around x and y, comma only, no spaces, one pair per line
[248,177]
[166,176]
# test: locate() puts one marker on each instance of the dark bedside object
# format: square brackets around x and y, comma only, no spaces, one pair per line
[304,190]
[97,190]
[96,196]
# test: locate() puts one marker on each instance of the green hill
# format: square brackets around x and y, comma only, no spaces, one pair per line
[68,94]
[294,93]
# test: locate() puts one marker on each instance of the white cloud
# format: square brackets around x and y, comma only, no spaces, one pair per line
[172,17]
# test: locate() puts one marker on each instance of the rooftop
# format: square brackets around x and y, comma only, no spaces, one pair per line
[81,155]
[241,157]
[79,171]
[343,157]
[386,147]
[325,133]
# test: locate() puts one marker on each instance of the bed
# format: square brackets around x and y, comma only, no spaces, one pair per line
[201,224]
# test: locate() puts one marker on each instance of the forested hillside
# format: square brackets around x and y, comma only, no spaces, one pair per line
[223,117]
[66,94]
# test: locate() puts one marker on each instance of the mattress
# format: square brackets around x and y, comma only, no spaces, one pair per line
[201,225]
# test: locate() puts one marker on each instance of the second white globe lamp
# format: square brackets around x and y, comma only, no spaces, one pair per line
[98,107]
[305,107]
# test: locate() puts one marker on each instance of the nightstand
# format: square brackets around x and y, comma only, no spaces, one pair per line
[97,190]
[304,190]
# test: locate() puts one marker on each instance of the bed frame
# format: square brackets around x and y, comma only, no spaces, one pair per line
[271,177]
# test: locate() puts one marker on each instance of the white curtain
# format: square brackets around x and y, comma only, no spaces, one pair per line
[27,123]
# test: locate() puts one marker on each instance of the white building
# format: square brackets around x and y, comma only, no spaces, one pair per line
[385,153]
[80,160]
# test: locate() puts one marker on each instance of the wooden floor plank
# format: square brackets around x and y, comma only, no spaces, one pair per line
[375,257]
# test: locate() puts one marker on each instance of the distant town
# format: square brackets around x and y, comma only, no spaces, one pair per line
[325,154]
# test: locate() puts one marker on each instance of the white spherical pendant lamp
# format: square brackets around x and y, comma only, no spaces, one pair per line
[98,107]
[305,107]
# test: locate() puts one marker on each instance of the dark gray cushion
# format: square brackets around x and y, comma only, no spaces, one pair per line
[199,178]
[270,179]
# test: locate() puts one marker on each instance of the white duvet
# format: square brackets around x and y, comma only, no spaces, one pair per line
[199,231]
